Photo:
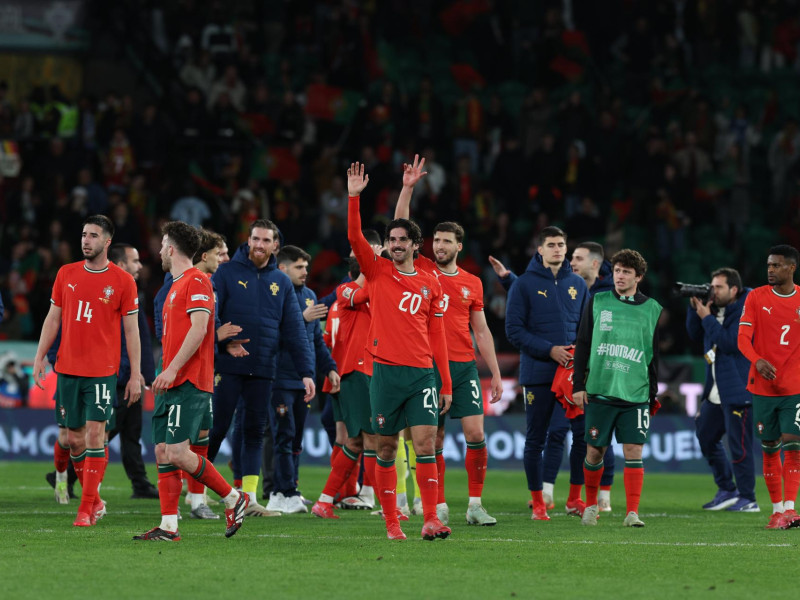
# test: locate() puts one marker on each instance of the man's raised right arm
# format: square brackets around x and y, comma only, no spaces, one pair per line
[357,180]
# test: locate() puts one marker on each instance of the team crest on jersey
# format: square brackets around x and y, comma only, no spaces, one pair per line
[347,293]
[309,302]
[274,288]
[760,427]
[282,410]
[573,293]
[529,397]
[172,298]
[426,291]
[108,291]
[381,421]
[594,432]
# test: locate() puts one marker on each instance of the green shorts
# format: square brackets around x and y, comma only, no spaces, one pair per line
[355,405]
[467,400]
[180,414]
[336,404]
[774,415]
[630,423]
[402,397]
[81,399]
[207,422]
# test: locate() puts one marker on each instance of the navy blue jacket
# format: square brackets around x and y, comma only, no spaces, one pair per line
[147,365]
[158,305]
[603,283]
[287,377]
[543,311]
[731,366]
[263,303]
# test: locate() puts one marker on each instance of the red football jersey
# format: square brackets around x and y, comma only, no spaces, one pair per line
[402,304]
[772,323]
[562,388]
[462,295]
[191,291]
[92,305]
[355,318]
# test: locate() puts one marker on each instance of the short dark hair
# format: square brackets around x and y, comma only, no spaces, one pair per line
[291,254]
[183,236]
[790,253]
[413,231]
[550,231]
[117,252]
[373,237]
[263,224]
[630,259]
[353,268]
[102,221]
[451,227]
[732,277]
[593,248]
[208,241]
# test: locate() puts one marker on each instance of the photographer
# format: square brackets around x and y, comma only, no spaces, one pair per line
[727,405]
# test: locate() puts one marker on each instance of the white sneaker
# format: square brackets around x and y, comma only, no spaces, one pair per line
[604,504]
[590,515]
[356,503]
[62,494]
[443,513]
[405,510]
[187,499]
[294,505]
[417,508]
[277,502]
[254,509]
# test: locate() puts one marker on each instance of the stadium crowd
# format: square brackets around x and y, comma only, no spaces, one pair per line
[640,123]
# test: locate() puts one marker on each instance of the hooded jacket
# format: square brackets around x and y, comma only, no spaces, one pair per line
[730,366]
[543,311]
[263,303]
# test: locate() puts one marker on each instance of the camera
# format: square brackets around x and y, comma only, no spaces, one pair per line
[701,291]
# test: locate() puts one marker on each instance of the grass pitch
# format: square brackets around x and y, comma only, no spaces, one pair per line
[682,552]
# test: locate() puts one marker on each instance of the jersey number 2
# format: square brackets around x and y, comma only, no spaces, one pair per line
[785,329]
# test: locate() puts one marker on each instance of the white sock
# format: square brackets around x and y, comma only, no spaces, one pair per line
[197,500]
[788,505]
[252,497]
[402,499]
[61,476]
[777,507]
[604,495]
[547,488]
[441,505]
[231,499]
[169,523]
[474,500]
[326,498]
[367,493]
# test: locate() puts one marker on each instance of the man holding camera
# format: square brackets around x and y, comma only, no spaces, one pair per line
[727,407]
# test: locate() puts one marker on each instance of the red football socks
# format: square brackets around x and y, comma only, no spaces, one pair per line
[634,478]
[592,474]
[193,486]
[773,472]
[60,457]
[208,475]
[386,482]
[343,466]
[475,463]
[440,467]
[169,491]
[429,489]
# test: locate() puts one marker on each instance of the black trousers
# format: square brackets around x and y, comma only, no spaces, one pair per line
[129,429]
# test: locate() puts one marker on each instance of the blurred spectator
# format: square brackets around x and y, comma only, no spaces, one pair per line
[229,84]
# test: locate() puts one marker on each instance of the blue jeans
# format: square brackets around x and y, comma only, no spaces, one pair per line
[713,421]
